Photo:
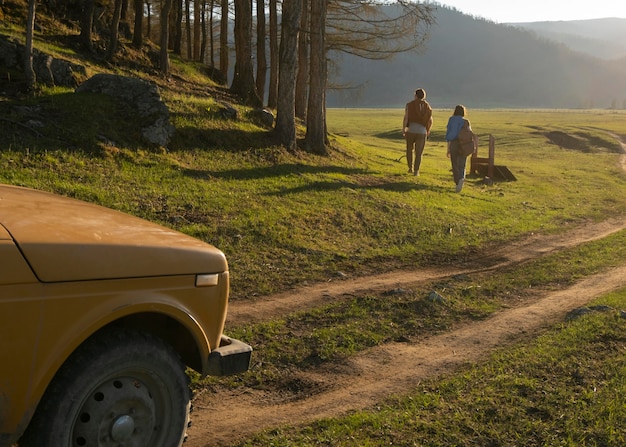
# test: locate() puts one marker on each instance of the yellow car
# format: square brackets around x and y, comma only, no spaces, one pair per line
[100,313]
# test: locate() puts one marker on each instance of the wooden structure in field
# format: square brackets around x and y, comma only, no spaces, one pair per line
[486,166]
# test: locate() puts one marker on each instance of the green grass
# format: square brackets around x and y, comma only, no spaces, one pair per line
[333,332]
[566,388]
[286,219]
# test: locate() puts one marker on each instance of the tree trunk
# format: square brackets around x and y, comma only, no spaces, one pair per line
[285,112]
[188,28]
[302,81]
[138,26]
[124,12]
[316,114]
[148,19]
[197,31]
[203,42]
[261,67]
[114,30]
[211,41]
[166,6]
[177,27]
[224,40]
[31,78]
[243,81]
[272,94]
[86,25]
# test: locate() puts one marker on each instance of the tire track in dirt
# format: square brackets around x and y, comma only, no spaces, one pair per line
[516,252]
[222,418]
[392,369]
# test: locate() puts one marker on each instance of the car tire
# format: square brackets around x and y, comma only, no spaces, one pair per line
[121,387]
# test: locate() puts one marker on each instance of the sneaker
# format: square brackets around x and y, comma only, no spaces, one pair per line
[410,170]
[416,173]
[459,186]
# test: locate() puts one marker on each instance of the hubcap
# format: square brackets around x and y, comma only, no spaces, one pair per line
[122,428]
[120,412]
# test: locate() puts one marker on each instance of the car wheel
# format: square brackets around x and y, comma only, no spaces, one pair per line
[122,387]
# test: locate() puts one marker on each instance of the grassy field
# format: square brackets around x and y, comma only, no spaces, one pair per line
[287,219]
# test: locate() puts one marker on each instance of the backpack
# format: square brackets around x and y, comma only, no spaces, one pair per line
[467,139]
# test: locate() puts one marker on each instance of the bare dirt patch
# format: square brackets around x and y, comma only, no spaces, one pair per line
[222,418]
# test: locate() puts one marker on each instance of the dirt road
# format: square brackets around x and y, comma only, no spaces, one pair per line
[220,419]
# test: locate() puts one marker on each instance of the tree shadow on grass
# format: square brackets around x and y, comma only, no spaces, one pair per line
[390,135]
[435,136]
[68,122]
[580,141]
[360,179]
[231,140]
[330,186]
[279,170]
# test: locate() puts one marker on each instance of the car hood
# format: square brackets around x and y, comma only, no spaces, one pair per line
[69,240]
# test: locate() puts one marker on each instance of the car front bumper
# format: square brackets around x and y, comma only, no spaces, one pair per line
[232,357]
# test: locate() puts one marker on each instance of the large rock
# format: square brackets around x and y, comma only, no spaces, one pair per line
[143,96]
[48,69]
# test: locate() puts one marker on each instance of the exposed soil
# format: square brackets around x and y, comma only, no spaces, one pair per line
[219,419]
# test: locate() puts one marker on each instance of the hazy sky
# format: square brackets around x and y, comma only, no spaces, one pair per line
[504,11]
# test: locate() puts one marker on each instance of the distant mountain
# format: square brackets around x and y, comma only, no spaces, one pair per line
[603,38]
[483,64]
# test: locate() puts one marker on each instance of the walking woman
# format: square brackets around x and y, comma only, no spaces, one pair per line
[416,124]
[456,156]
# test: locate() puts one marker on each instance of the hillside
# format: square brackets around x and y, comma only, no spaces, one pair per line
[483,64]
[603,38]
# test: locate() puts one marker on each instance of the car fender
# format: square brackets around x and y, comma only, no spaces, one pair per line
[53,350]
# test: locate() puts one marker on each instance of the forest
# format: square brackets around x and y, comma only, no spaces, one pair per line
[296,58]
[298,37]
